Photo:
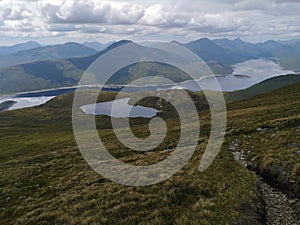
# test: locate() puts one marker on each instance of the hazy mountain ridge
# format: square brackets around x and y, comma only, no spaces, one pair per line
[51,52]
[288,53]
[7,50]
[98,46]
[63,65]
[209,51]
[67,72]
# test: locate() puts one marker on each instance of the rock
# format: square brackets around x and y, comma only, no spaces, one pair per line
[264,128]
[291,145]
[250,165]
[22,197]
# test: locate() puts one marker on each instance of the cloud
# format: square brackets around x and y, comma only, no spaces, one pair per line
[61,27]
[150,19]
[92,11]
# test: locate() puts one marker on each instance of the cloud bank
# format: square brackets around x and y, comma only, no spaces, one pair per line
[149,20]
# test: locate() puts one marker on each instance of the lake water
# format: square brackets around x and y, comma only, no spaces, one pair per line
[252,72]
[22,103]
[246,74]
[119,109]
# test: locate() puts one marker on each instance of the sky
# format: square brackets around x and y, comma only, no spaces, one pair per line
[59,21]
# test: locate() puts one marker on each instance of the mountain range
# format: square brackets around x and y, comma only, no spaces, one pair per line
[67,72]
[54,66]
[286,53]
[42,53]
[7,50]
[97,45]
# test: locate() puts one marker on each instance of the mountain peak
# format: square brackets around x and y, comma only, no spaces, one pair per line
[72,44]
[32,43]
[238,40]
[112,46]
[203,39]
[175,42]
[119,43]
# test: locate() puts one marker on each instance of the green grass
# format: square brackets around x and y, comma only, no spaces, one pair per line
[271,151]
[45,180]
[262,88]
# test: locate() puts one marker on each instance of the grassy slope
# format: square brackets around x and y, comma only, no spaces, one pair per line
[273,152]
[263,87]
[44,179]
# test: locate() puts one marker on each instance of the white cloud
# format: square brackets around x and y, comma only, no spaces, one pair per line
[154,15]
[92,11]
[151,19]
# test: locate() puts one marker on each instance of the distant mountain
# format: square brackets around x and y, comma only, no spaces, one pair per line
[288,55]
[7,50]
[289,42]
[288,52]
[270,45]
[67,50]
[47,74]
[238,46]
[67,72]
[209,51]
[95,45]
[51,52]
[249,50]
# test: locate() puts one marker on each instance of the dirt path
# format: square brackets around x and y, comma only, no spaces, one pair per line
[279,208]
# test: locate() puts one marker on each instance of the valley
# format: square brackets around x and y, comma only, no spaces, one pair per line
[120,112]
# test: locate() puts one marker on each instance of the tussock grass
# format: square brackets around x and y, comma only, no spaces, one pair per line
[45,180]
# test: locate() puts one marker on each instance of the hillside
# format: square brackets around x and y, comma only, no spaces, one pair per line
[46,181]
[67,72]
[52,52]
[239,47]
[7,50]
[288,53]
[95,45]
[271,124]
[209,51]
[289,56]
[263,87]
